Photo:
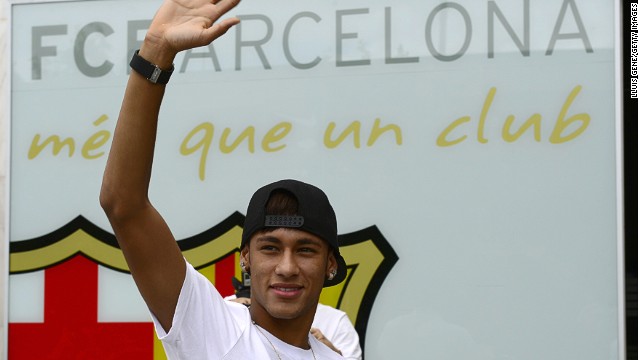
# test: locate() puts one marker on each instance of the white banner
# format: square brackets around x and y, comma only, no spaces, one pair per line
[479,137]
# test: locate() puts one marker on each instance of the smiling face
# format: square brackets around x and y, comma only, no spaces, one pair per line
[288,268]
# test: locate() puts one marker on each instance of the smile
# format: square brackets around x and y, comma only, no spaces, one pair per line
[286,291]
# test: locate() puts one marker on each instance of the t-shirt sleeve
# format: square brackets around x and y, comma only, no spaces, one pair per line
[202,326]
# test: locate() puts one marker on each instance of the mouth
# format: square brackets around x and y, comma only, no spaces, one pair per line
[286,290]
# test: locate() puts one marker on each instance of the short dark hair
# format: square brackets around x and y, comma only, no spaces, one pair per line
[281,202]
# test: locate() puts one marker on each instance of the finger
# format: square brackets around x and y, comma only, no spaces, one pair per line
[223,6]
[317,334]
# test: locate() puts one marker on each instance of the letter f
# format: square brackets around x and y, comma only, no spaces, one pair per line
[38,51]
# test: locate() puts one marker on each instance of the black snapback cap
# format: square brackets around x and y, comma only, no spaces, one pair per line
[315,215]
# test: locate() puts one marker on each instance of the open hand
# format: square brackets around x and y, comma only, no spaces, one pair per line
[184,24]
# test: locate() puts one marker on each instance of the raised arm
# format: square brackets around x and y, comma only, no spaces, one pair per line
[148,245]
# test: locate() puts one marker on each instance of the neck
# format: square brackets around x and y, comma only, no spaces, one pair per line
[292,331]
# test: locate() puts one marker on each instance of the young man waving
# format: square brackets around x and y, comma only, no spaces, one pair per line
[289,242]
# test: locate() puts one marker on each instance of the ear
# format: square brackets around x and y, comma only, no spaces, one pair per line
[332,265]
[244,258]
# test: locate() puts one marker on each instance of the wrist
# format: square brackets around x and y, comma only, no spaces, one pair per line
[151,71]
[158,54]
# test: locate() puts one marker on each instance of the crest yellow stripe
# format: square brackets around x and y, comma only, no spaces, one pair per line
[81,242]
[78,241]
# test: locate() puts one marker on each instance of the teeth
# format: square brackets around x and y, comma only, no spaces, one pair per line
[286,289]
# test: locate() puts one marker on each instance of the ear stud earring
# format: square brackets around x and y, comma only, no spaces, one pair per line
[332,274]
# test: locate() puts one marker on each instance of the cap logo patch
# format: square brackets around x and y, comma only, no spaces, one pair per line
[283,221]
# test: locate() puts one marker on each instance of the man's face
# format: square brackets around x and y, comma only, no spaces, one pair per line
[288,268]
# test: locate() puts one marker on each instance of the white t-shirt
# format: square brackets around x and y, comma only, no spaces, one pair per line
[205,327]
[335,326]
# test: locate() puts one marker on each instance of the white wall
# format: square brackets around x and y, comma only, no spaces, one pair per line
[4,91]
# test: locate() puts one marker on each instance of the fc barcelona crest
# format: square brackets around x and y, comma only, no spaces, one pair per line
[71,255]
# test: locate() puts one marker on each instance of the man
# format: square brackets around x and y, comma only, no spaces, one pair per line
[289,242]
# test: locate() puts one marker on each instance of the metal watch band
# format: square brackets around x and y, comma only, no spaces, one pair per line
[150,71]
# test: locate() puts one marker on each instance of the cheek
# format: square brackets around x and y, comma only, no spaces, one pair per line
[262,267]
[316,269]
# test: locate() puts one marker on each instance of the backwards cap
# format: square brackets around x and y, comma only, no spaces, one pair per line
[315,215]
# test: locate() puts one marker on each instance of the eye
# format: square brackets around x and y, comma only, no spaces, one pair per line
[307,250]
[268,248]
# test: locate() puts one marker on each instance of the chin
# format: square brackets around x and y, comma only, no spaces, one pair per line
[284,314]
[285,311]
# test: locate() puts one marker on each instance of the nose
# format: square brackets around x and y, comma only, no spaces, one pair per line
[287,266]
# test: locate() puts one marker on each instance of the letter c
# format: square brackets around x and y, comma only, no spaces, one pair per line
[79,50]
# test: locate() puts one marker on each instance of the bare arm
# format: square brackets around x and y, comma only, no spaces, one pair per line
[153,256]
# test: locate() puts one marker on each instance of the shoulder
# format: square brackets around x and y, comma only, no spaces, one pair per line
[328,319]
[204,323]
[326,310]
[200,298]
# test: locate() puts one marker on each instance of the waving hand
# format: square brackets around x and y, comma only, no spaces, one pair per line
[184,24]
